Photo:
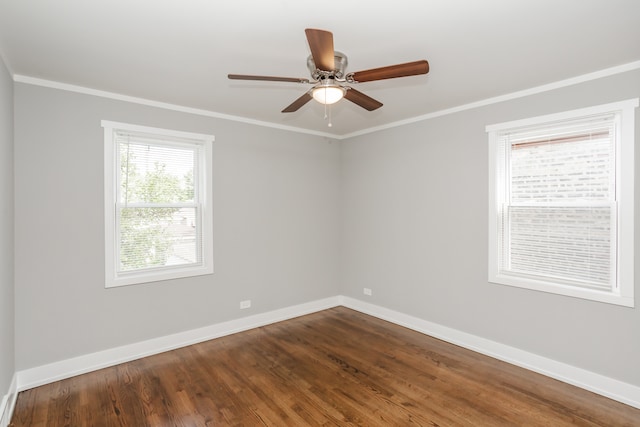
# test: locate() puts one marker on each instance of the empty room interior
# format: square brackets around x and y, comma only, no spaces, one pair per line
[194,232]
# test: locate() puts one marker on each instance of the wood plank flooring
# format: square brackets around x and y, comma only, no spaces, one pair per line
[333,368]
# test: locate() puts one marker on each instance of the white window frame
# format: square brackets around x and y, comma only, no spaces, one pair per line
[622,292]
[114,278]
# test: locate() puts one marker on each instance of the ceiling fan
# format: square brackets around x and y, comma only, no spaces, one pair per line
[328,76]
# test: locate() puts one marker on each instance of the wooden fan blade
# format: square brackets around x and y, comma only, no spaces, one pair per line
[295,105]
[362,100]
[392,71]
[266,78]
[321,44]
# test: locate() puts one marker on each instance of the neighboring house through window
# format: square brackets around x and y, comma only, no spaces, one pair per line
[158,204]
[561,208]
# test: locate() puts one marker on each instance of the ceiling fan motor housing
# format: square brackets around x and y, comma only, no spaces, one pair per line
[341,63]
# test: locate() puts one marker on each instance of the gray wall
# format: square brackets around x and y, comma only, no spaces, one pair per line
[414,212]
[276,206]
[6,231]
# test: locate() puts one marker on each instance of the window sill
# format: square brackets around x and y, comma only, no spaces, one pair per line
[561,289]
[140,277]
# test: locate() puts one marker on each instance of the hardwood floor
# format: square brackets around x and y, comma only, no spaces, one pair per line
[333,368]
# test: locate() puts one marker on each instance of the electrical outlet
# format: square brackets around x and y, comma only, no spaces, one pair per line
[245,304]
[367,291]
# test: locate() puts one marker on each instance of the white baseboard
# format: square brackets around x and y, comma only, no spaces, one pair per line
[614,389]
[45,374]
[9,402]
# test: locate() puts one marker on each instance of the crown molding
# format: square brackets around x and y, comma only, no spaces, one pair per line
[18,78]
[631,66]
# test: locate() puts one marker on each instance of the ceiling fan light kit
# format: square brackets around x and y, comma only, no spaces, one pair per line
[328,92]
[327,68]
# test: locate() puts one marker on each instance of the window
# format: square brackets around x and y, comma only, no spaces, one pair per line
[561,203]
[158,204]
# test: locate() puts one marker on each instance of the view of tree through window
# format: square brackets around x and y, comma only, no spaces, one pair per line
[156,206]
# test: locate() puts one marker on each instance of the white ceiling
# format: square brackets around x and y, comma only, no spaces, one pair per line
[180,51]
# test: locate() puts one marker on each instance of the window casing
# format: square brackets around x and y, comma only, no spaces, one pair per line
[158,204]
[561,203]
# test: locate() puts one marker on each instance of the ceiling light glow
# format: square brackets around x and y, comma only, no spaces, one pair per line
[328,93]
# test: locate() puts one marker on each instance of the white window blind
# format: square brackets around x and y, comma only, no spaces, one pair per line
[158,207]
[559,210]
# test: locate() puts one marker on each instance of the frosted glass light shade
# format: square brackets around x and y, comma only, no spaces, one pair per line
[328,94]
